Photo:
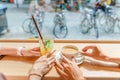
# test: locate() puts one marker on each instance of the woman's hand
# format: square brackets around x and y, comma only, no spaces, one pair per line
[31,52]
[97,54]
[42,65]
[69,69]
[94,52]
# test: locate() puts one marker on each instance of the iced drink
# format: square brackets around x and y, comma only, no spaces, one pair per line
[47,47]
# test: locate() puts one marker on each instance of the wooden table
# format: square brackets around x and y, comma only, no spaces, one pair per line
[17,68]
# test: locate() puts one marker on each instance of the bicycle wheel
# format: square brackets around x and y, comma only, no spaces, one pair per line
[85,26]
[102,20]
[118,24]
[26,25]
[60,31]
[33,29]
[108,23]
[109,27]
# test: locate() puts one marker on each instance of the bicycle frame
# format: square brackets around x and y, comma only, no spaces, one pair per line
[108,20]
[60,18]
[30,27]
[89,21]
[40,16]
[60,29]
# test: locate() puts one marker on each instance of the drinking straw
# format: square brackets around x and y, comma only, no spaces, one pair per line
[38,30]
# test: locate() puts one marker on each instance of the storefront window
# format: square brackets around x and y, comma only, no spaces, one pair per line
[63,19]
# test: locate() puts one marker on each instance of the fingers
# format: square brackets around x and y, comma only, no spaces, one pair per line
[47,56]
[35,53]
[88,47]
[64,59]
[85,48]
[51,60]
[36,49]
[50,53]
[61,72]
[42,58]
[89,50]
[73,59]
[86,53]
[66,63]
[59,65]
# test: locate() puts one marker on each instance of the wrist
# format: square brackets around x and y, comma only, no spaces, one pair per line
[19,51]
[35,72]
[34,77]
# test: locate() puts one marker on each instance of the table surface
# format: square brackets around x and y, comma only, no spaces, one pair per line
[18,67]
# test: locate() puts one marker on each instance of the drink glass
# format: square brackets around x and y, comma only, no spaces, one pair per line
[47,46]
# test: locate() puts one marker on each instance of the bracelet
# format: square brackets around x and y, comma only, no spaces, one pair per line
[19,51]
[35,74]
[34,71]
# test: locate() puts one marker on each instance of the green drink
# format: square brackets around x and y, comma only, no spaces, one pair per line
[47,46]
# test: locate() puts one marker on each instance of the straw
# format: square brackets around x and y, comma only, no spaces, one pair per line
[38,30]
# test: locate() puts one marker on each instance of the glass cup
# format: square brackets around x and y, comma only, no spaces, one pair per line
[47,46]
[71,51]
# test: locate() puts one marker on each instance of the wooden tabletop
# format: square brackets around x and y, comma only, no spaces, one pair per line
[17,68]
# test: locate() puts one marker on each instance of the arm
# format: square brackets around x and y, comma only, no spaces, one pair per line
[23,51]
[112,59]
[96,53]
[8,51]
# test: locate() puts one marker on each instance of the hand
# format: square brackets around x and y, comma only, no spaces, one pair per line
[31,52]
[69,69]
[43,65]
[95,52]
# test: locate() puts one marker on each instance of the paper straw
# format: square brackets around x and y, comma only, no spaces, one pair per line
[38,30]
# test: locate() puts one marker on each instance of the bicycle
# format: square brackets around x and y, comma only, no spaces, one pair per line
[117,22]
[60,29]
[110,20]
[28,25]
[107,20]
[89,21]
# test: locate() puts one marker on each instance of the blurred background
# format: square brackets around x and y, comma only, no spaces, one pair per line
[14,13]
